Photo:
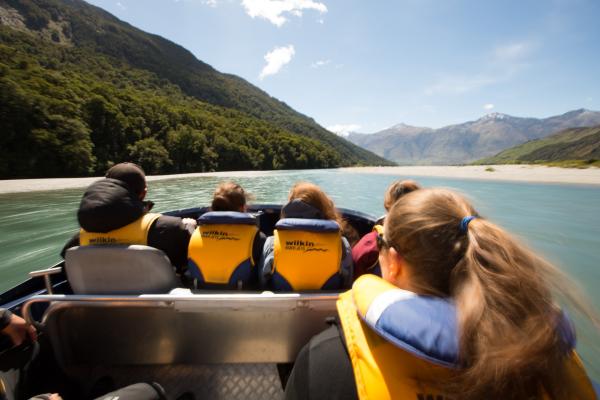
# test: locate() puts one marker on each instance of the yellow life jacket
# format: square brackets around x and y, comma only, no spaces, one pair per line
[307,254]
[398,340]
[133,233]
[378,228]
[220,250]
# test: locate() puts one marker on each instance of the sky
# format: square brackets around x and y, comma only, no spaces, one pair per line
[366,65]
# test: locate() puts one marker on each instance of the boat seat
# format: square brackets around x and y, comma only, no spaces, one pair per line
[133,269]
[180,328]
[307,255]
[220,250]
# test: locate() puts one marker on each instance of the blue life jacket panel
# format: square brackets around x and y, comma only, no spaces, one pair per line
[307,255]
[220,249]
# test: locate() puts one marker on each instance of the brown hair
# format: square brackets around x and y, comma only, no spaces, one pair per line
[510,345]
[398,189]
[314,196]
[229,196]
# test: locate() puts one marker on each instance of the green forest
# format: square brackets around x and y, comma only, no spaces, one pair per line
[81,91]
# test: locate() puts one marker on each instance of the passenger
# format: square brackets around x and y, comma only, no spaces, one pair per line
[19,330]
[307,200]
[229,196]
[463,311]
[365,253]
[207,256]
[113,211]
[16,328]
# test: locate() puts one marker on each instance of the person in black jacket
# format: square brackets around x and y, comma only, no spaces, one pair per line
[118,200]
[15,327]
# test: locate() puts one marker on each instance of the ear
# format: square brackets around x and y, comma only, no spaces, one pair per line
[397,271]
[143,194]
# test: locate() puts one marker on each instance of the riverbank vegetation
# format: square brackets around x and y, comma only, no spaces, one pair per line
[81,90]
[571,148]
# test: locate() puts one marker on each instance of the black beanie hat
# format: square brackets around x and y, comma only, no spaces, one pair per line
[130,173]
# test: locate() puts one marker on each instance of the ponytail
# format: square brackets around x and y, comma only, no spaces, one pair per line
[510,340]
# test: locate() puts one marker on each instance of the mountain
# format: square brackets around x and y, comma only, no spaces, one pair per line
[467,142]
[578,146]
[400,142]
[81,90]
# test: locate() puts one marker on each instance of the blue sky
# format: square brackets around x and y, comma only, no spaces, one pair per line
[366,65]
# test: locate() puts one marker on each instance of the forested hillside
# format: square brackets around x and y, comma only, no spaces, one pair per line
[81,90]
[572,147]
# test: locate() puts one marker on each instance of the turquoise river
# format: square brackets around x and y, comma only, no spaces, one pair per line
[560,221]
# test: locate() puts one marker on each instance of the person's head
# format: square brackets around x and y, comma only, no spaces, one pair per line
[132,174]
[396,190]
[229,196]
[510,344]
[312,195]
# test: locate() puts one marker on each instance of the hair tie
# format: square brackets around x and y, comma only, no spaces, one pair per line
[464,224]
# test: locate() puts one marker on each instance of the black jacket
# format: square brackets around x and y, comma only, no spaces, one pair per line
[322,370]
[108,204]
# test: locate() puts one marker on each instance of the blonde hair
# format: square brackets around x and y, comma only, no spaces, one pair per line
[398,189]
[229,196]
[313,195]
[510,343]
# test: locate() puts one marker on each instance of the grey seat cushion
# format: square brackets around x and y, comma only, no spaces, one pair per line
[133,269]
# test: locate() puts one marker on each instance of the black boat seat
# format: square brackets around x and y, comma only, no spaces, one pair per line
[133,269]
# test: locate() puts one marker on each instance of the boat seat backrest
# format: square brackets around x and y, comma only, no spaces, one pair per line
[307,255]
[182,329]
[133,269]
[220,250]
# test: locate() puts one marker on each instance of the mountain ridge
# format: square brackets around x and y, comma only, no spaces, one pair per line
[469,141]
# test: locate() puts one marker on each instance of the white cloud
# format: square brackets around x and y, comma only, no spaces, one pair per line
[121,6]
[488,106]
[276,59]
[503,63]
[320,63]
[274,10]
[460,84]
[512,52]
[210,3]
[343,129]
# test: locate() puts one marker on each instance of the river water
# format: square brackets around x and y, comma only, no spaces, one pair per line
[560,221]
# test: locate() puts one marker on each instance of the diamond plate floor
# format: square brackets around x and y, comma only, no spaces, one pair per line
[221,381]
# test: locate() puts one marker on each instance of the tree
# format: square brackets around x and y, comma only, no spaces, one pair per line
[189,150]
[150,154]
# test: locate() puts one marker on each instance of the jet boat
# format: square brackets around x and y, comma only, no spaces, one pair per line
[217,344]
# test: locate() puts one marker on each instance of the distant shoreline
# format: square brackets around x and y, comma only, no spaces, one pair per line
[510,173]
[45,184]
[513,173]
